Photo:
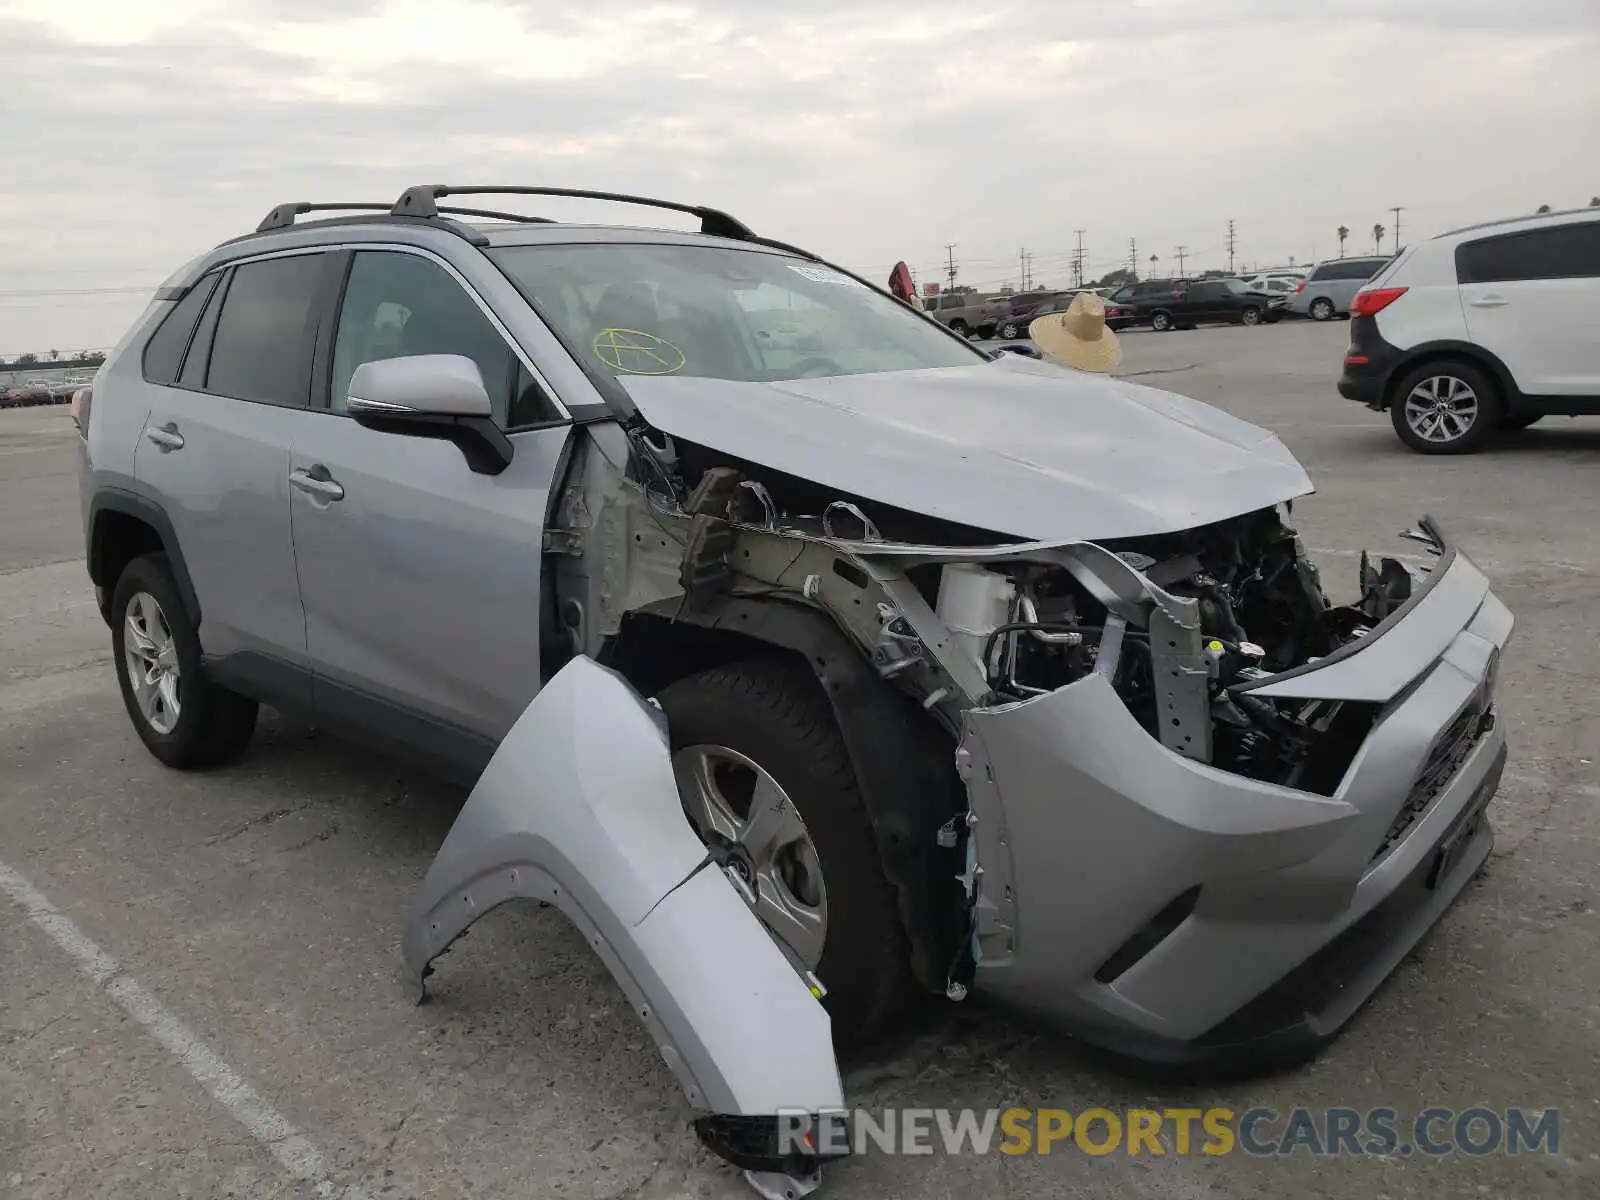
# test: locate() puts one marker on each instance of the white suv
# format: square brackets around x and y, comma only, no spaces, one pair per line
[1488,328]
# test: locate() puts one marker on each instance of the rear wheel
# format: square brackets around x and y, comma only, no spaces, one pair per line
[183,718]
[959,327]
[1250,316]
[1322,309]
[1445,408]
[1160,321]
[767,782]
[1008,329]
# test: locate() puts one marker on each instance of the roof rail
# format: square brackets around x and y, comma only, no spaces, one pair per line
[282,216]
[422,201]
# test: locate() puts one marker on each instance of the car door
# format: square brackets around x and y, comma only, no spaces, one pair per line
[214,452]
[1207,301]
[420,578]
[1531,299]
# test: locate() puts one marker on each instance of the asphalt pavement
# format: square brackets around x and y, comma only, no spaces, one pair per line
[199,988]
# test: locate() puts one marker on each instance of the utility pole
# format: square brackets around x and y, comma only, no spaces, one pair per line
[950,264]
[1026,257]
[1397,210]
[1182,252]
[1077,261]
[1230,246]
[1133,258]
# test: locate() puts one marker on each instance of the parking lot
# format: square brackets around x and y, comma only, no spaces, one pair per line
[251,1037]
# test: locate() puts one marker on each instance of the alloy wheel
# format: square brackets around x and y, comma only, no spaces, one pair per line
[152,658]
[1441,409]
[753,829]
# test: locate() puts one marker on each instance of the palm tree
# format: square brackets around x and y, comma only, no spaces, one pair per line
[1595,203]
[1543,208]
[1377,237]
[1342,232]
[54,355]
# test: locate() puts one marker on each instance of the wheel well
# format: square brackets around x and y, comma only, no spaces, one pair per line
[119,538]
[1433,358]
[903,760]
[651,651]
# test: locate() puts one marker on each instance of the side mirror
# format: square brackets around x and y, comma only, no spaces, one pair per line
[431,395]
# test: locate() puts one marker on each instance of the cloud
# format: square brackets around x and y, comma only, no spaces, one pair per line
[869,130]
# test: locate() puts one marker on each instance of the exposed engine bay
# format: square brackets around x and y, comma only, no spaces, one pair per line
[1183,624]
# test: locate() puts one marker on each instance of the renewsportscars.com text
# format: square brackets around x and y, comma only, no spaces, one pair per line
[1432,1131]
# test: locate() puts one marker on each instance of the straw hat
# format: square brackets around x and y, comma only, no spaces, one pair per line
[1078,337]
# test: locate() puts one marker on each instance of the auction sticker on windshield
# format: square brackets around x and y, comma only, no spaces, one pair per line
[822,275]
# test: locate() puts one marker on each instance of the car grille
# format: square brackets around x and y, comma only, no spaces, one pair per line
[1444,760]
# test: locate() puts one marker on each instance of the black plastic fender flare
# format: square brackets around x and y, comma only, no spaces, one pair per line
[119,500]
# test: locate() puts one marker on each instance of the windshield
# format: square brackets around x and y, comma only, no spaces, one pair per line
[719,313]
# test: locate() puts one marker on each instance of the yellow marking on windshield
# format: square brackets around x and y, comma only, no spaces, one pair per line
[635,352]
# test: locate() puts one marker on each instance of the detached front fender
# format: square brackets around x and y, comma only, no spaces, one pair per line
[579,808]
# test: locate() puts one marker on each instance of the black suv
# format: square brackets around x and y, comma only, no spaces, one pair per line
[1185,303]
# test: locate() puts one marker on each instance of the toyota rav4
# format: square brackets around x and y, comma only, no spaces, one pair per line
[800,652]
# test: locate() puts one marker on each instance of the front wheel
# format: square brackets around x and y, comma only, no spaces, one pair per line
[959,327]
[1008,330]
[1250,316]
[183,718]
[768,784]
[1161,322]
[1445,408]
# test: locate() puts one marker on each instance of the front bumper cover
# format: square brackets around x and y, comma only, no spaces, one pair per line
[1295,906]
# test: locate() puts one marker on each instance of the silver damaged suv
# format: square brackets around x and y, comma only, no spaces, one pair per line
[795,648]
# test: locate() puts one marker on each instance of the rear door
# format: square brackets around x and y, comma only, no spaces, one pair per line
[421,580]
[1531,299]
[214,451]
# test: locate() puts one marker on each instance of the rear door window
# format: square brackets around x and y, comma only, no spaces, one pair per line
[262,347]
[163,353]
[1558,252]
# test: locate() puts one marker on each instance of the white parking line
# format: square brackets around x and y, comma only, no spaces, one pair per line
[293,1150]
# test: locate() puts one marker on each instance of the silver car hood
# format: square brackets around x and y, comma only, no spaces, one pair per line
[1013,446]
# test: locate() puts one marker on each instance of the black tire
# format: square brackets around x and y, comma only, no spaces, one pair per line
[1161,321]
[776,714]
[1250,316]
[1322,309]
[214,725]
[1008,330]
[1486,415]
[1516,422]
[959,326]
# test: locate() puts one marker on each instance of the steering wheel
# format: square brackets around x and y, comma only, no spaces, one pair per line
[816,367]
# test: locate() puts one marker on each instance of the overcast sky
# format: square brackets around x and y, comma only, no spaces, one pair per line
[136,133]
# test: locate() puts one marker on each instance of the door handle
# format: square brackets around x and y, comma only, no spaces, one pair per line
[1489,302]
[166,436]
[317,482]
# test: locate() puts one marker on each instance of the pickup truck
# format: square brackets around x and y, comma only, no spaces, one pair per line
[967,313]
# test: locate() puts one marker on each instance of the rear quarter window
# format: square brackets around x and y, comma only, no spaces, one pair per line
[163,353]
